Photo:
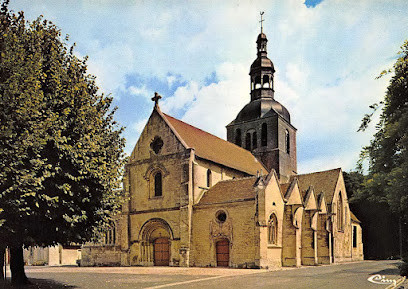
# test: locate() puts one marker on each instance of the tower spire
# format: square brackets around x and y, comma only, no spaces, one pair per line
[262,20]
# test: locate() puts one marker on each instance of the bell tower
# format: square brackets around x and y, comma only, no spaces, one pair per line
[263,125]
[262,71]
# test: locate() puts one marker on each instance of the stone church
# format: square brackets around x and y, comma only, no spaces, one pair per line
[197,200]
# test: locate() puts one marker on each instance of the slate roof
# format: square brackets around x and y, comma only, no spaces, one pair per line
[212,148]
[354,218]
[324,181]
[230,191]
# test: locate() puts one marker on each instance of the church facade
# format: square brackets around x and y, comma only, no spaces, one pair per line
[197,200]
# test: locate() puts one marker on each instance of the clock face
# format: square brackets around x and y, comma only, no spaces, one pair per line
[156,144]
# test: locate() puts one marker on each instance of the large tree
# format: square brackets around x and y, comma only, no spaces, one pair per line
[387,180]
[61,152]
[378,222]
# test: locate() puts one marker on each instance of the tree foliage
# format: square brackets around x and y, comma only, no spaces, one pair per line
[378,222]
[61,152]
[387,180]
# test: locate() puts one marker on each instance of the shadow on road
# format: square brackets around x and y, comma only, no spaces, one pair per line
[388,271]
[37,284]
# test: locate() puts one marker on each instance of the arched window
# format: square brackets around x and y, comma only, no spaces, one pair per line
[238,140]
[158,186]
[340,218]
[257,82]
[254,140]
[264,135]
[248,141]
[263,46]
[209,181]
[273,230]
[265,81]
[287,141]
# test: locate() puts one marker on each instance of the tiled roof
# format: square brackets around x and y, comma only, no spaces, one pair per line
[284,188]
[324,181]
[230,191]
[303,193]
[210,147]
[354,218]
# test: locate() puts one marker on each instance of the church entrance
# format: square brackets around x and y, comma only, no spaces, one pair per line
[161,252]
[222,248]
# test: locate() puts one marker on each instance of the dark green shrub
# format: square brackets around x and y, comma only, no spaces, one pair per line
[403,267]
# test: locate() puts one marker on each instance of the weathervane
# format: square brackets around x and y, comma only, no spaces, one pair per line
[156,99]
[262,20]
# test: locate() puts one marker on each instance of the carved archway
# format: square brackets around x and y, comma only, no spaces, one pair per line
[155,238]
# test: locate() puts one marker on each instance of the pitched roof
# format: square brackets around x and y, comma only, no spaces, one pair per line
[210,147]
[321,203]
[324,181]
[354,218]
[293,195]
[230,191]
[284,187]
[310,199]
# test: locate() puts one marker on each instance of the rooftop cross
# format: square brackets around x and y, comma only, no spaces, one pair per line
[262,20]
[156,98]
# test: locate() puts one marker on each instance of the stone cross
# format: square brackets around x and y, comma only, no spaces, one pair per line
[156,98]
[262,20]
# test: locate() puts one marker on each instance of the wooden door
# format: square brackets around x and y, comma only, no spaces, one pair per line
[222,248]
[161,252]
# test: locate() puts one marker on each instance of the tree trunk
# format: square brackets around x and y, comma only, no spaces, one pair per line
[400,237]
[18,275]
[2,264]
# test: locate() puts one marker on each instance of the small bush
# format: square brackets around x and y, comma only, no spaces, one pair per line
[403,267]
[39,263]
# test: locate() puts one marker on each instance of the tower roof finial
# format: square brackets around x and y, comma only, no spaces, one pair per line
[262,20]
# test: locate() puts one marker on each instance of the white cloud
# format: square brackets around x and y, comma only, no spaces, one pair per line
[296,75]
[326,59]
[213,106]
[183,97]
[139,125]
[170,80]
[140,91]
[109,64]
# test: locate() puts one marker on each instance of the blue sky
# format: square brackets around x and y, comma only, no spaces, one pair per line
[197,55]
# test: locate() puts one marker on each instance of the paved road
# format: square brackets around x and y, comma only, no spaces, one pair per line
[351,275]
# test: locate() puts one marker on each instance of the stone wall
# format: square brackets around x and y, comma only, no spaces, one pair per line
[323,250]
[101,256]
[357,252]
[342,235]
[218,173]
[289,240]
[239,228]
[270,201]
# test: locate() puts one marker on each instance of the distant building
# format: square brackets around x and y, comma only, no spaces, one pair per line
[198,200]
[52,255]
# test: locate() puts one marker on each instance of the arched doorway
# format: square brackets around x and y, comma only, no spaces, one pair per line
[222,251]
[155,243]
[161,248]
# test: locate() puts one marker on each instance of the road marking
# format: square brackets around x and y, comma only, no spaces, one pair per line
[189,281]
[205,279]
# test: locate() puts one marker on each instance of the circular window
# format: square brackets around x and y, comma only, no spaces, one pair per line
[221,216]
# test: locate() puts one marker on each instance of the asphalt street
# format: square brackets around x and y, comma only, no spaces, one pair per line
[342,276]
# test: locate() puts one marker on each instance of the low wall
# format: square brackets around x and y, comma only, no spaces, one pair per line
[100,256]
